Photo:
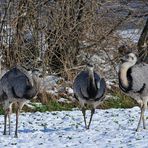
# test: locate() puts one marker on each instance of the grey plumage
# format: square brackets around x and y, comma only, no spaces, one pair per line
[89,89]
[139,74]
[16,86]
[82,88]
[133,80]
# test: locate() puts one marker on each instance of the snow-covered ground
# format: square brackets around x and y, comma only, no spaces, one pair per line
[113,128]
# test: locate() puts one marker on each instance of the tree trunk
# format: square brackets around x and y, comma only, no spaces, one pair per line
[143,44]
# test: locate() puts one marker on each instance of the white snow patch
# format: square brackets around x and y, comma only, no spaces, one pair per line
[131,34]
[62,100]
[49,83]
[110,128]
[69,90]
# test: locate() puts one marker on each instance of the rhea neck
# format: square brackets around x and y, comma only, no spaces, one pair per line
[91,78]
[123,74]
[36,83]
[33,91]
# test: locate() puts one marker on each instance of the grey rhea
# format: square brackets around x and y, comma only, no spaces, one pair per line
[133,80]
[89,89]
[16,86]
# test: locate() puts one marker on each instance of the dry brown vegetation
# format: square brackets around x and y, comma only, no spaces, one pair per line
[60,36]
[51,34]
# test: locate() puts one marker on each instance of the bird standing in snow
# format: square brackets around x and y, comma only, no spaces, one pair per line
[89,89]
[133,80]
[17,86]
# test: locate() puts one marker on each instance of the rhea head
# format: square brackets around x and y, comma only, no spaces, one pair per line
[90,67]
[129,58]
[36,73]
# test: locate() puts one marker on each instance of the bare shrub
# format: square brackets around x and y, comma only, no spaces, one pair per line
[55,32]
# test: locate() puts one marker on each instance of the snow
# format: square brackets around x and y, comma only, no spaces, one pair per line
[63,100]
[131,34]
[50,82]
[110,128]
[69,90]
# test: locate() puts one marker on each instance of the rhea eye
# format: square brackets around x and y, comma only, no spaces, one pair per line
[128,57]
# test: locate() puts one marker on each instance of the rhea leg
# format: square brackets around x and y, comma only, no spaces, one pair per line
[16,128]
[84,115]
[144,126]
[144,108]
[9,121]
[7,114]
[92,112]
[5,123]
[20,106]
[6,107]
[141,118]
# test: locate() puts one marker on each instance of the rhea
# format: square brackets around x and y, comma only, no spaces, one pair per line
[89,89]
[133,80]
[16,86]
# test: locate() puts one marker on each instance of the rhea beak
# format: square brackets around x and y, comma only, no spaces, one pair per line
[123,59]
[89,65]
[40,76]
